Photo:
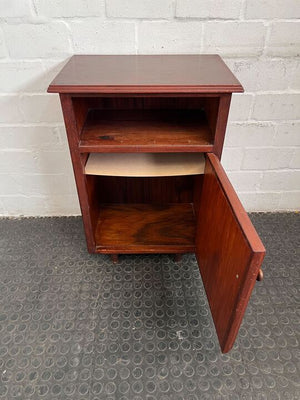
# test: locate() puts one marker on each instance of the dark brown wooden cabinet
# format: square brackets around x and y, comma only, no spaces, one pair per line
[146,135]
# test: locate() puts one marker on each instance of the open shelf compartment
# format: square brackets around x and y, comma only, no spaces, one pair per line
[144,214]
[133,130]
[154,124]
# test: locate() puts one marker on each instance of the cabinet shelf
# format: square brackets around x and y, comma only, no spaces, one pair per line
[145,131]
[145,228]
[145,164]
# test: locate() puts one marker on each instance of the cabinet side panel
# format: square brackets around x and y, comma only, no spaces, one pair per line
[81,106]
[211,107]
[89,220]
[221,123]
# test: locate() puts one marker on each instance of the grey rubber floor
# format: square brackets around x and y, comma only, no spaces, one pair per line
[75,326]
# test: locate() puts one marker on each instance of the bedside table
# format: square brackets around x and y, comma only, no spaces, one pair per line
[146,136]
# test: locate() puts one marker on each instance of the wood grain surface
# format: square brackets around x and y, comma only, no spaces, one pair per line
[146,74]
[146,228]
[120,130]
[158,190]
[228,250]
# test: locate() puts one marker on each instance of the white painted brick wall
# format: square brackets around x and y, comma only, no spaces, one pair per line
[259,40]
[16,8]
[287,134]
[69,8]
[238,134]
[284,39]
[269,9]
[149,9]
[169,37]
[232,38]
[10,109]
[274,106]
[262,74]
[103,37]
[265,158]
[40,107]
[223,9]
[49,40]
[295,161]
[3,51]
[22,76]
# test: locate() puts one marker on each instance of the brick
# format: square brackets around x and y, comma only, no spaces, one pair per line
[265,158]
[100,37]
[169,37]
[29,137]
[253,134]
[139,8]
[287,134]
[290,201]
[295,79]
[36,162]
[69,8]
[63,205]
[265,74]
[284,39]
[9,185]
[223,9]
[240,107]
[39,108]
[245,181]
[281,180]
[53,205]
[22,77]
[38,40]
[232,158]
[10,109]
[15,8]
[21,205]
[46,184]
[17,161]
[260,201]
[34,184]
[276,107]
[272,9]
[3,51]
[62,136]
[234,38]
[54,162]
[295,161]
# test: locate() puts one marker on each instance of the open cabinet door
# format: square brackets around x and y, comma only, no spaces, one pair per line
[228,250]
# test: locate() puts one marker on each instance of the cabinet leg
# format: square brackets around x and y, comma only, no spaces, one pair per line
[178,257]
[114,258]
[260,275]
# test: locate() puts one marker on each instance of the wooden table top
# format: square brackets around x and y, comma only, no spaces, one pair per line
[145,74]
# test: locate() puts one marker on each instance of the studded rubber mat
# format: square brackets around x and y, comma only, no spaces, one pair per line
[76,326]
